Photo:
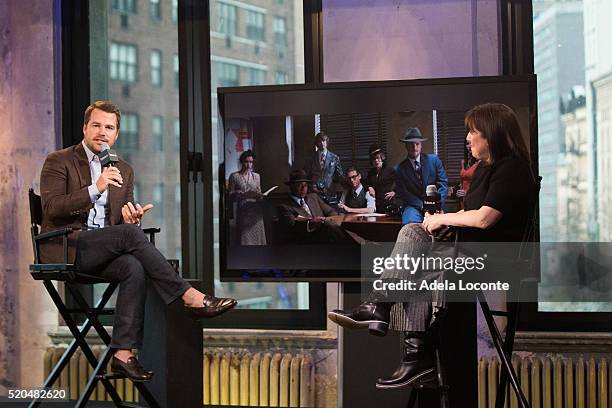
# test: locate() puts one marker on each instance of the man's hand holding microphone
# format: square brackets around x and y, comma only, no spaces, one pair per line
[111,175]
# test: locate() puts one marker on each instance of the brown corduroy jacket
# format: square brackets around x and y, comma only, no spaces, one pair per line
[64,181]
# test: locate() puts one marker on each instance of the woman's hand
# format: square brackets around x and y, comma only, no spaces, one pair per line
[389,195]
[433,222]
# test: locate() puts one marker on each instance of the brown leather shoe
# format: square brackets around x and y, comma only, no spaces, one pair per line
[132,369]
[213,306]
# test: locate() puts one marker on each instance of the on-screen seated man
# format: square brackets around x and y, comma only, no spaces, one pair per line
[356,199]
[303,215]
[99,203]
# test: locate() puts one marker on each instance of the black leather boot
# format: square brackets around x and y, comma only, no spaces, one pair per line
[416,365]
[370,315]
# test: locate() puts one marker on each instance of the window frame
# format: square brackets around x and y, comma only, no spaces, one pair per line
[157,139]
[517,59]
[195,141]
[155,10]
[260,29]
[159,69]
[125,133]
[195,79]
[229,26]
[126,63]
[123,11]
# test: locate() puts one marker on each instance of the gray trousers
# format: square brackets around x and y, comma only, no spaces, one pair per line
[122,253]
[415,314]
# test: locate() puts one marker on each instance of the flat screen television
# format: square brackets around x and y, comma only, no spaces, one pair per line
[278,124]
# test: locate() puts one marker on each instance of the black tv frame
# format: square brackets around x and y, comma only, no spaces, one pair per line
[363,97]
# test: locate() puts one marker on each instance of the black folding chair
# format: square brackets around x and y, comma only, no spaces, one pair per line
[505,346]
[67,273]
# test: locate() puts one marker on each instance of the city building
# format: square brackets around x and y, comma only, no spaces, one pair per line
[572,170]
[602,94]
[598,65]
[559,65]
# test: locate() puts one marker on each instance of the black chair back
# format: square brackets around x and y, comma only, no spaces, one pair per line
[527,252]
[36,221]
[35,207]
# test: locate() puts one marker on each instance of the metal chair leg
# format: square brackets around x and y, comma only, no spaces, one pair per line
[413,398]
[95,377]
[513,308]
[499,346]
[83,330]
[144,392]
[79,340]
[444,403]
[91,316]
[146,395]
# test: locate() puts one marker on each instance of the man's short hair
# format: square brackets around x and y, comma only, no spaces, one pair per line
[321,136]
[351,169]
[105,106]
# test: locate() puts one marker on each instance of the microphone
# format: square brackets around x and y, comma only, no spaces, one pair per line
[108,157]
[431,201]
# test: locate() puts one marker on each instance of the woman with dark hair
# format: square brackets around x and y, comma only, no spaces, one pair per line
[380,179]
[498,207]
[245,188]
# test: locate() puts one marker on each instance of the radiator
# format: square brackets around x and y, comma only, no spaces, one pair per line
[550,382]
[75,376]
[239,379]
[260,379]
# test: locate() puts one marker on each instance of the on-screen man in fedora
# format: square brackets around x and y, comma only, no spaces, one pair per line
[415,173]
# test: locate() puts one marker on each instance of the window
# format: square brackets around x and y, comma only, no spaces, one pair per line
[227,21]
[123,62]
[177,135]
[124,6]
[155,9]
[572,61]
[157,133]
[346,129]
[118,48]
[177,201]
[256,76]
[227,74]
[255,26]
[128,134]
[281,77]
[156,68]
[280,33]
[174,11]
[175,66]
[465,43]
[158,203]
[249,68]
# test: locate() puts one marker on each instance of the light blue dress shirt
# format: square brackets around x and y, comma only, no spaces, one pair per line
[97,215]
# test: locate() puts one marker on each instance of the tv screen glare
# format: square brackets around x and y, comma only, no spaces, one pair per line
[263,236]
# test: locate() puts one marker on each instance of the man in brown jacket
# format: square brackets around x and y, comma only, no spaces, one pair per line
[98,202]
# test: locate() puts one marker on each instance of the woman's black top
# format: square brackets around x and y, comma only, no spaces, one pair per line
[507,186]
[382,183]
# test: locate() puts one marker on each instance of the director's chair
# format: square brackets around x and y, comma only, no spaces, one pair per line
[67,273]
[503,345]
